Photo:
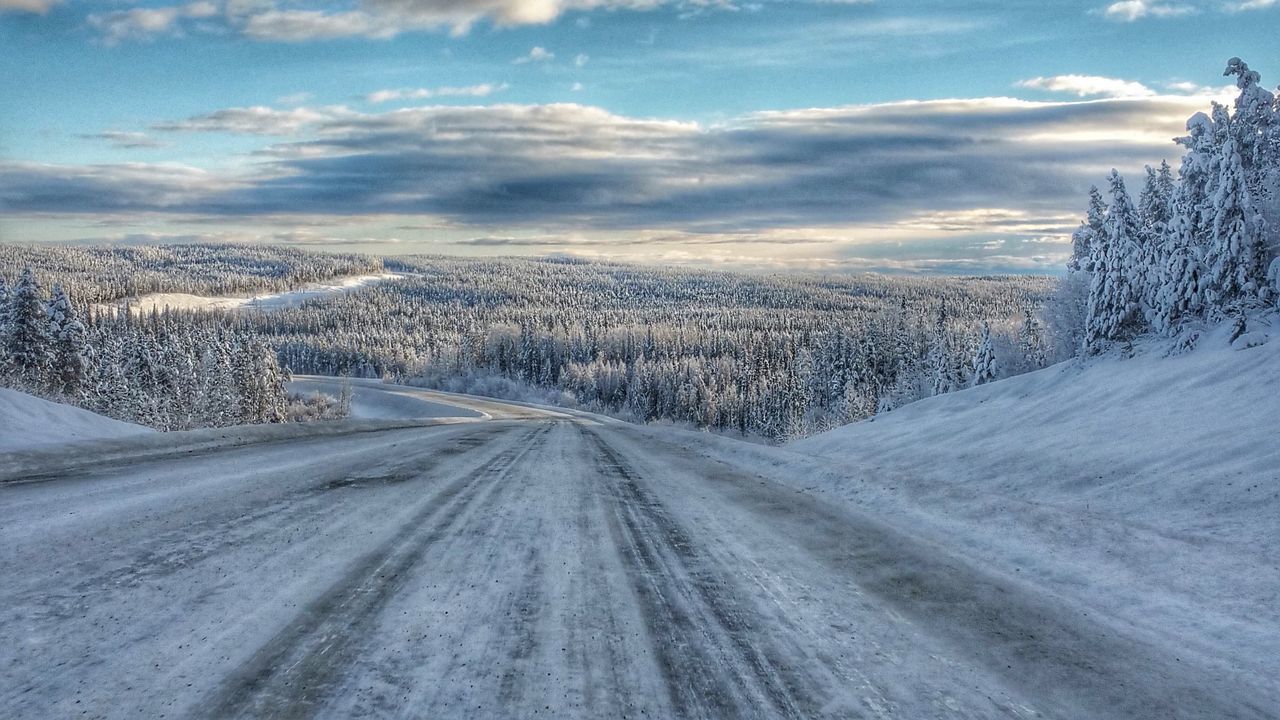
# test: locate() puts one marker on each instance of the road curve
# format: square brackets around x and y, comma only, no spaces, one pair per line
[540,565]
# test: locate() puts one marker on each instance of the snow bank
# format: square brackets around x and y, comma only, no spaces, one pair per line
[1150,483]
[28,422]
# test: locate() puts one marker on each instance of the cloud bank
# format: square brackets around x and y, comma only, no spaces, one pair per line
[935,166]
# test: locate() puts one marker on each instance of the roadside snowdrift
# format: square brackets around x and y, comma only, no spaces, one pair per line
[28,422]
[1148,487]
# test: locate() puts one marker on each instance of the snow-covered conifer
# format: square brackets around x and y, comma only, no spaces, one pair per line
[1235,260]
[30,339]
[1114,298]
[70,374]
[1031,342]
[984,358]
[1088,234]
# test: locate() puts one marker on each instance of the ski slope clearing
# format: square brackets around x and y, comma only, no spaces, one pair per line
[291,298]
[1145,488]
[536,564]
[28,422]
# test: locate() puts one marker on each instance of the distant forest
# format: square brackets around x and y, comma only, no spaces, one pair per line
[775,357]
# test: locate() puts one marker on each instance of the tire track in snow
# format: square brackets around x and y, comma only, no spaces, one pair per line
[185,547]
[715,661]
[291,674]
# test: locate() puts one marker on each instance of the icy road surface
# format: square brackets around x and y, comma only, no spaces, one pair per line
[530,565]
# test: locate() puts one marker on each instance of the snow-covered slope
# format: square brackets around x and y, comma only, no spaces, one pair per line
[1151,482]
[28,422]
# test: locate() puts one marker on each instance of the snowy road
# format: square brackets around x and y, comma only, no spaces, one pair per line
[530,565]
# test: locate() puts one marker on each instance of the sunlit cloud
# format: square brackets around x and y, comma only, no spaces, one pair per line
[472,91]
[1088,86]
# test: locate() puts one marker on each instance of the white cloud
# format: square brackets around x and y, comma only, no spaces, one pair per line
[483,90]
[581,60]
[1247,5]
[39,7]
[127,140]
[298,98]
[1088,86]
[1131,10]
[258,120]
[304,25]
[146,23]
[537,54]
[306,20]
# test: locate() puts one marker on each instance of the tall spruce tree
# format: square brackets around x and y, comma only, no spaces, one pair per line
[1114,307]
[30,339]
[70,374]
[984,358]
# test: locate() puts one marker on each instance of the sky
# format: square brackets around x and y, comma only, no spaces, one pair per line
[819,135]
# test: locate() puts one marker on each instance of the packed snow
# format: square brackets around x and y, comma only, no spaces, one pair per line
[544,563]
[1147,488]
[28,422]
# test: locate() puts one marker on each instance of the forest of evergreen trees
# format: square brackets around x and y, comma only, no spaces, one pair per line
[168,371]
[774,356]
[1197,248]
[777,356]
[102,274]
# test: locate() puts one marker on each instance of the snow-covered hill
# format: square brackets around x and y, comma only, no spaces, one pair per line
[28,422]
[1151,483]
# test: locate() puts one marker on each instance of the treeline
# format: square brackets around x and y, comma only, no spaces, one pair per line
[168,371]
[1199,247]
[107,273]
[778,356]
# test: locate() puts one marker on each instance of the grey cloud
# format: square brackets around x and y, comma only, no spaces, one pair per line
[569,166]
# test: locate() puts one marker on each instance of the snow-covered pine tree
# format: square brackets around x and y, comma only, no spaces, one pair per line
[5,300]
[30,339]
[70,374]
[1253,122]
[1180,290]
[1154,208]
[1114,296]
[1235,260]
[984,358]
[1031,342]
[942,363]
[1088,234]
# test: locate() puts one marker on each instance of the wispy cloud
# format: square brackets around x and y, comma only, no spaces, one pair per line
[537,54]
[1088,86]
[257,120]
[146,23]
[128,140]
[38,7]
[1131,10]
[280,21]
[923,167]
[473,91]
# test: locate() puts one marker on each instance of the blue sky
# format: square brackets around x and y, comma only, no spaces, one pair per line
[823,134]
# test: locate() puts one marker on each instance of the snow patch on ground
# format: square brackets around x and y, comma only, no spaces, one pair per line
[292,298]
[28,422]
[1147,487]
